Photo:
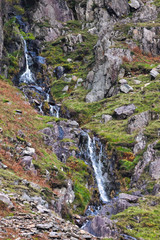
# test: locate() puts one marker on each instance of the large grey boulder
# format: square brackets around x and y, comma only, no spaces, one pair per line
[124,111]
[101,227]
[117,205]
[138,121]
[103,79]
[119,8]
[128,197]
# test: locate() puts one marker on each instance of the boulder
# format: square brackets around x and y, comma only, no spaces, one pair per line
[125,88]
[118,8]
[5,199]
[106,118]
[141,143]
[115,206]
[124,111]
[101,227]
[26,161]
[138,122]
[59,71]
[148,157]
[128,197]
[28,151]
[134,4]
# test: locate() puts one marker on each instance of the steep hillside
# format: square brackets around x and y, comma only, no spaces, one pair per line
[79,119]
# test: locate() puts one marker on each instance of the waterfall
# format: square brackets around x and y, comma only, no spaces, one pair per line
[92,150]
[97,166]
[54,111]
[27,76]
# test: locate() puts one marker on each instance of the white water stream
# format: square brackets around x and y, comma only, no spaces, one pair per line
[27,76]
[97,166]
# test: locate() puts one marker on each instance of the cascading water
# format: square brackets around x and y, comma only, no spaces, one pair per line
[54,110]
[27,76]
[97,166]
[92,150]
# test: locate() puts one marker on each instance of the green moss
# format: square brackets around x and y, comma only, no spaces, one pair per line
[82,197]
[27,36]
[19,10]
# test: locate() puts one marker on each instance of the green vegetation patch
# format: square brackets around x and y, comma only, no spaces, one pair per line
[142,221]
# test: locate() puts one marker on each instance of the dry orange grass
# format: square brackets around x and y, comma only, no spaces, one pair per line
[11,122]
[139,56]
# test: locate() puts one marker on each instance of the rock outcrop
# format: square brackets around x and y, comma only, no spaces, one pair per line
[53,13]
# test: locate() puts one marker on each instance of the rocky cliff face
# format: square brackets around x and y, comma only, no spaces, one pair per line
[81,64]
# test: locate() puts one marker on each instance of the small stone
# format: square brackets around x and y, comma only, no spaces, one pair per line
[73,123]
[79,82]
[65,89]
[42,209]
[3,166]
[154,73]
[69,60]
[147,84]
[36,101]
[74,78]
[67,79]
[126,88]
[134,4]
[106,118]
[137,82]
[25,197]
[55,235]
[18,111]
[123,81]
[45,226]
[28,151]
